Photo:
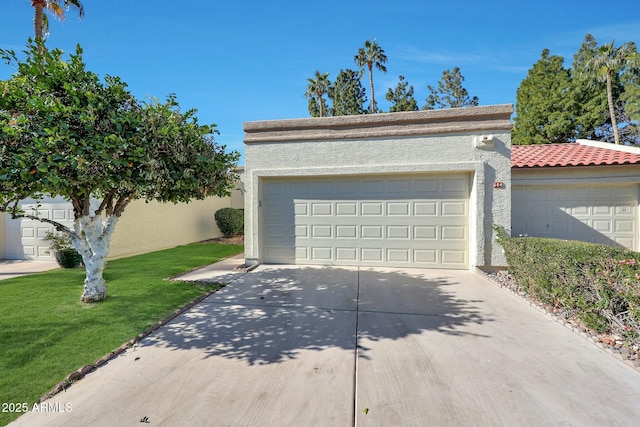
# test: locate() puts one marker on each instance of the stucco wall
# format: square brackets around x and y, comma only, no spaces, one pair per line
[424,141]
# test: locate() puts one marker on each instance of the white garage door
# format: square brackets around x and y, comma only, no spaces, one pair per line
[597,214]
[419,221]
[24,237]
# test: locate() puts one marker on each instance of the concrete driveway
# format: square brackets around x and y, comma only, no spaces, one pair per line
[329,346]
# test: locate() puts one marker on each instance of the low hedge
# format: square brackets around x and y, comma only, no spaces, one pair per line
[230,221]
[597,283]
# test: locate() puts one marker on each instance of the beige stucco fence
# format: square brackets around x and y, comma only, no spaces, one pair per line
[146,227]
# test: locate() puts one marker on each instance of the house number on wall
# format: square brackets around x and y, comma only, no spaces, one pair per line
[498,184]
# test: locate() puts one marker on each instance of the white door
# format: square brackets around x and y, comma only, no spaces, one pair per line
[407,220]
[24,237]
[598,214]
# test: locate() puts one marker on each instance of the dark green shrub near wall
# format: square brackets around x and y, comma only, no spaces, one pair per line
[230,221]
[598,283]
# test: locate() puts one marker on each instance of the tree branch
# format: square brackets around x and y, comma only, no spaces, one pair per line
[107,203]
[122,203]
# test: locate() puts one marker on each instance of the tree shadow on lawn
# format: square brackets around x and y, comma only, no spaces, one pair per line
[271,314]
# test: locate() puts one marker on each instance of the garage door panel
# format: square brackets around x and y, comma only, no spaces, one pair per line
[372,208]
[425,208]
[603,210]
[321,209]
[399,255]
[627,242]
[413,220]
[429,185]
[399,186]
[578,210]
[321,231]
[454,233]
[426,256]
[625,211]
[451,257]
[398,208]
[346,254]
[346,232]
[347,209]
[454,208]
[371,232]
[624,225]
[428,232]
[456,185]
[301,209]
[373,186]
[602,225]
[398,232]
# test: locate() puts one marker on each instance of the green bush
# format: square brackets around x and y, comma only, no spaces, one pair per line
[230,221]
[599,283]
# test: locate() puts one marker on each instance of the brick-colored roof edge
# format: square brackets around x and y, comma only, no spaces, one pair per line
[580,153]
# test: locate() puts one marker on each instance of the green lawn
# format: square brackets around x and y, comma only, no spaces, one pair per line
[46,332]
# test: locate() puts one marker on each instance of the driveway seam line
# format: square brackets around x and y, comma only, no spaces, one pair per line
[355,352]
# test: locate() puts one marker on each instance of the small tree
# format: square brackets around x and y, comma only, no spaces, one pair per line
[64,132]
[347,94]
[402,97]
[450,93]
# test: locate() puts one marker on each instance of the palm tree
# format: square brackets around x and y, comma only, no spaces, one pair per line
[57,7]
[609,61]
[317,87]
[371,54]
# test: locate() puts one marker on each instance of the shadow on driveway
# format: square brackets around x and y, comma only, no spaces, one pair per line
[271,314]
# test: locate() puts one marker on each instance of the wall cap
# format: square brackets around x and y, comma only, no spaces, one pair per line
[383,125]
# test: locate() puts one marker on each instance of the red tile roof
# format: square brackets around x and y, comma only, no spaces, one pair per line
[569,154]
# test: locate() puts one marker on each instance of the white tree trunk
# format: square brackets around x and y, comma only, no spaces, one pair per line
[93,236]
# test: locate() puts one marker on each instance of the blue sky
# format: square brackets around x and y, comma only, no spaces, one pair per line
[238,61]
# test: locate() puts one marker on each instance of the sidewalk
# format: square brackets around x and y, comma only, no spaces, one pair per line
[10,268]
[224,271]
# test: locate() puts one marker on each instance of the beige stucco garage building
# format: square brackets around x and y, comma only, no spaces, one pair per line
[586,191]
[420,189]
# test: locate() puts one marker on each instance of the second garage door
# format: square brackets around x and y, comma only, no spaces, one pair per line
[599,214]
[417,220]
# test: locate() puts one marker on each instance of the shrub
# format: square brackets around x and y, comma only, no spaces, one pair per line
[598,283]
[230,221]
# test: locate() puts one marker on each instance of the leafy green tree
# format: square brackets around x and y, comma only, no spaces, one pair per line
[543,106]
[450,93]
[347,94]
[371,55]
[64,132]
[57,7]
[316,89]
[606,66]
[630,96]
[589,98]
[401,97]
